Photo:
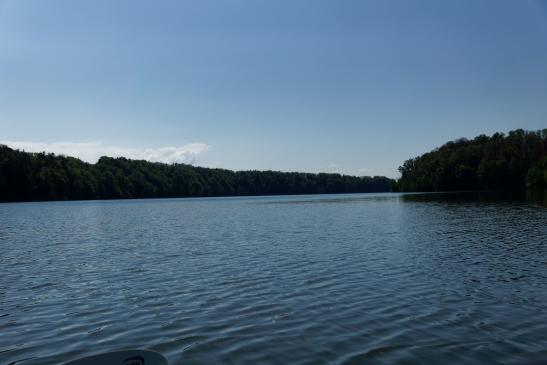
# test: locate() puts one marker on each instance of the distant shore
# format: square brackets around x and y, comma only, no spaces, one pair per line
[48,177]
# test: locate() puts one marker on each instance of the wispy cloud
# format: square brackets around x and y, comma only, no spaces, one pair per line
[91,151]
[364,172]
[330,168]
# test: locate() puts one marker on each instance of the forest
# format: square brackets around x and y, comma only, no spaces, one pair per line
[44,176]
[514,161]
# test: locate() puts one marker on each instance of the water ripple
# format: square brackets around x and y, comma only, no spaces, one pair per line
[357,279]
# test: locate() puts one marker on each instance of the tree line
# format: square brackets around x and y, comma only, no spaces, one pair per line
[514,161]
[45,176]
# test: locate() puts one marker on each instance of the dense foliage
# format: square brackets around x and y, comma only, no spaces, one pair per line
[40,176]
[514,161]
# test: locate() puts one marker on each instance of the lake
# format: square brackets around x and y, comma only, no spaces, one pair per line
[332,279]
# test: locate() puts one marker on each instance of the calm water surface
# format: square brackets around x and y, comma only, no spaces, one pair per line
[340,279]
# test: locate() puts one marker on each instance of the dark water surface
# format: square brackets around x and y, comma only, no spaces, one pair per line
[340,279]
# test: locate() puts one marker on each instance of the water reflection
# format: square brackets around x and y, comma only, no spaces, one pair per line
[538,197]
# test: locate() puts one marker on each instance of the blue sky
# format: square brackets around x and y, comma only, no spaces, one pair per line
[347,86]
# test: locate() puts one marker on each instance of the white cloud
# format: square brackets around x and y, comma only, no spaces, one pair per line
[364,172]
[331,168]
[91,151]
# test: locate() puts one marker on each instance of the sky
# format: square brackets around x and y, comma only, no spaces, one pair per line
[350,86]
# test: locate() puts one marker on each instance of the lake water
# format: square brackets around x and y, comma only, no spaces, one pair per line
[334,279]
